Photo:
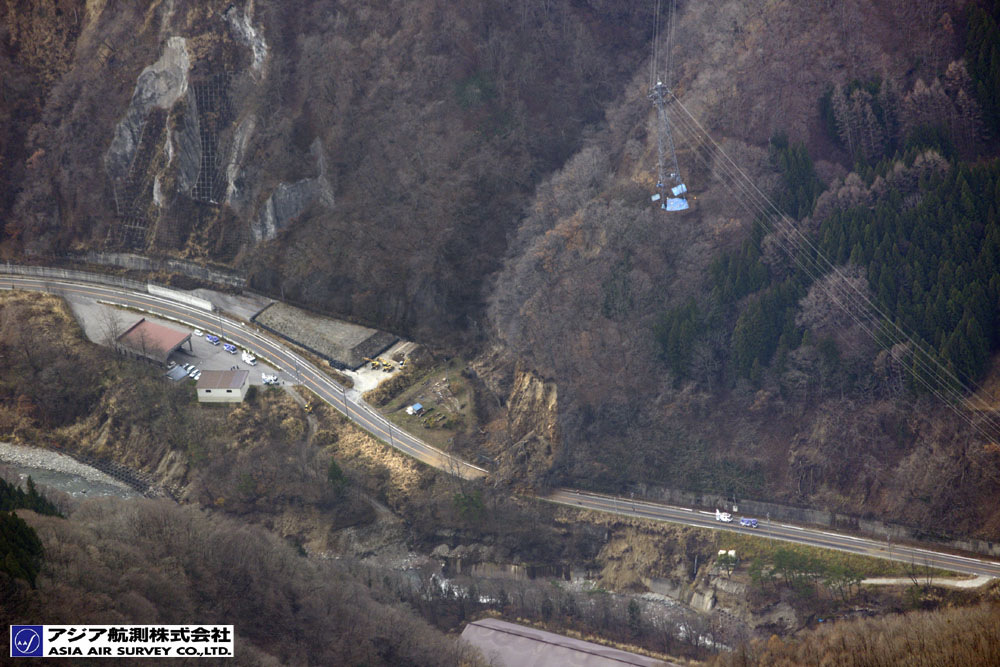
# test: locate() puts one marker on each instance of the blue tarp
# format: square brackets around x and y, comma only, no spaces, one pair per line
[416,407]
[655,197]
[679,190]
[675,205]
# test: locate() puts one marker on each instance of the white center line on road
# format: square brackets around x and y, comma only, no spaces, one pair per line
[845,537]
[372,421]
[198,319]
[935,553]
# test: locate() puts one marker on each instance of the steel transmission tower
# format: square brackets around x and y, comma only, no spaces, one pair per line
[671,189]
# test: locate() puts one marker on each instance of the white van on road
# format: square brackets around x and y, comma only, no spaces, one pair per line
[724,517]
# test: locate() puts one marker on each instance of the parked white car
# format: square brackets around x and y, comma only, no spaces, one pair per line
[198,332]
[248,358]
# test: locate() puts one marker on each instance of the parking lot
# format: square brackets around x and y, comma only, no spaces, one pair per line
[208,357]
[93,317]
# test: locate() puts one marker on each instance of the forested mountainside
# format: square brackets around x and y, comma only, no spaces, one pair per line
[966,636]
[367,159]
[477,176]
[154,562]
[721,350]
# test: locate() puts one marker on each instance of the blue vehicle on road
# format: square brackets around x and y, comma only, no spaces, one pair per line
[748,523]
[231,349]
[214,340]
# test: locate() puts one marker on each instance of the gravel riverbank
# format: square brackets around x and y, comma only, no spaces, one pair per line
[35,457]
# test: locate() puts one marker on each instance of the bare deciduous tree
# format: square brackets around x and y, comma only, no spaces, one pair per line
[111,327]
[835,304]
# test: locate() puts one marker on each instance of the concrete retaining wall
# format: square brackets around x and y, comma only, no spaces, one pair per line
[50,273]
[140,263]
[868,527]
[142,482]
[183,297]
[339,365]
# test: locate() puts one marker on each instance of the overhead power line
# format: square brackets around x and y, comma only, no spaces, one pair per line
[941,381]
[671,189]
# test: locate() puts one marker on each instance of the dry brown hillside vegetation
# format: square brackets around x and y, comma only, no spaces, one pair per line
[153,562]
[43,386]
[368,159]
[477,175]
[257,460]
[969,636]
[639,320]
[305,476]
[325,492]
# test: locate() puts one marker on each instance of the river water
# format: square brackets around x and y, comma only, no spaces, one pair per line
[61,472]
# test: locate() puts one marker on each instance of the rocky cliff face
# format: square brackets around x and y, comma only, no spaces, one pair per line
[357,158]
[159,86]
[593,270]
[476,172]
[288,200]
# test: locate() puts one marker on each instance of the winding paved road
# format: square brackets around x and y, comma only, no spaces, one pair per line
[778,531]
[350,403]
[347,401]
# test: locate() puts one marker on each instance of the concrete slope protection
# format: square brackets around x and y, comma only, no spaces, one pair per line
[350,404]
[244,336]
[778,531]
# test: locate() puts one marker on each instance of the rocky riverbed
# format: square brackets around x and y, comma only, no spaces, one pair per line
[62,472]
